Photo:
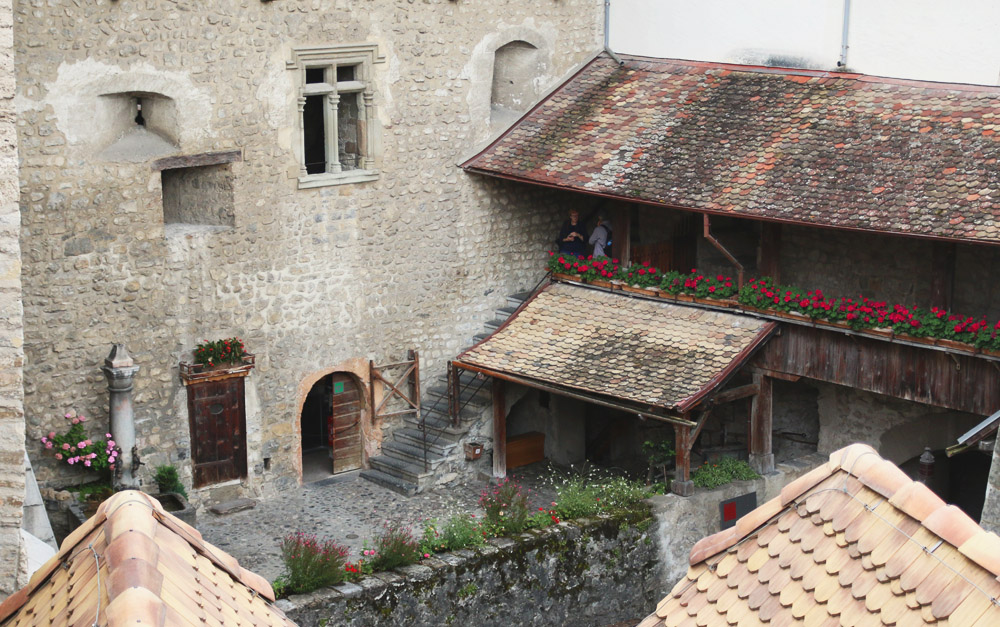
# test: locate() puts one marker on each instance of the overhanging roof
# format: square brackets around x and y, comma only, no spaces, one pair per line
[826,149]
[656,357]
[853,542]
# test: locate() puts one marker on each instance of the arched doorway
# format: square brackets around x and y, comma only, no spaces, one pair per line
[331,427]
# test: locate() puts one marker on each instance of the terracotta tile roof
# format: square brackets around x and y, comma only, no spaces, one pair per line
[646,352]
[838,150]
[135,564]
[854,542]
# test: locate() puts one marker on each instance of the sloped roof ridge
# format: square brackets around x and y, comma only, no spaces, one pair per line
[131,557]
[662,64]
[863,463]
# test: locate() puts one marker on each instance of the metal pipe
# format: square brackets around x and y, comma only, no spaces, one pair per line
[722,249]
[607,36]
[843,40]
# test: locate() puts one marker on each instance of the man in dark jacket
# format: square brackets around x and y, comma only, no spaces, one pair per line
[573,235]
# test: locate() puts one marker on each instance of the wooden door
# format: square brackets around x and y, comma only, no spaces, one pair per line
[345,423]
[218,431]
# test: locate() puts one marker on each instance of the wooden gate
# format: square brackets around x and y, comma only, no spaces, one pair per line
[345,423]
[395,401]
[217,419]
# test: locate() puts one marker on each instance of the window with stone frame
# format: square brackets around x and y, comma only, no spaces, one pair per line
[336,114]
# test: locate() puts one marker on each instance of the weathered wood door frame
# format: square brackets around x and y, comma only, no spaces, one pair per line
[203,429]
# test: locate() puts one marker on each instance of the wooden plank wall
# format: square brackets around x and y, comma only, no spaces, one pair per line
[924,375]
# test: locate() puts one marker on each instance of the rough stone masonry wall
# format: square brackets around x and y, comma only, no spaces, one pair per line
[586,572]
[309,278]
[12,563]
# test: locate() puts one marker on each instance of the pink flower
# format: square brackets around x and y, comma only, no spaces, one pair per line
[58,455]
[86,463]
[52,434]
[111,442]
[65,446]
[427,554]
[48,445]
[76,421]
[71,460]
[107,435]
[81,444]
[83,418]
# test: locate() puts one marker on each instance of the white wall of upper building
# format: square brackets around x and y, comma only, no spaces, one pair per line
[917,39]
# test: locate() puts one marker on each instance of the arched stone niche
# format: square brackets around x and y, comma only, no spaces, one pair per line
[95,106]
[509,71]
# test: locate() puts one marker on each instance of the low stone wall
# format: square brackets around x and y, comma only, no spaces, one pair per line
[584,572]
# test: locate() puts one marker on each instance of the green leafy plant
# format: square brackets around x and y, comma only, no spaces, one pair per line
[394,546]
[723,471]
[220,352]
[659,455]
[506,507]
[167,480]
[577,497]
[618,495]
[461,531]
[543,518]
[76,449]
[311,563]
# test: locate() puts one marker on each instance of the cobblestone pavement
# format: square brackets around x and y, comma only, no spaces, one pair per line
[349,512]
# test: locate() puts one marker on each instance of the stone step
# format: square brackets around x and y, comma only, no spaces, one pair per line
[406,471]
[515,300]
[388,481]
[494,324]
[415,437]
[474,392]
[406,452]
[505,312]
[439,432]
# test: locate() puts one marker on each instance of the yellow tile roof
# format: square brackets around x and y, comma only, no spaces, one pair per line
[135,564]
[854,542]
[643,351]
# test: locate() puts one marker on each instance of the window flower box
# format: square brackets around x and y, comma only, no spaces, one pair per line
[196,373]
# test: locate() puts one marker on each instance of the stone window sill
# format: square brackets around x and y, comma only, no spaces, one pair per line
[337,178]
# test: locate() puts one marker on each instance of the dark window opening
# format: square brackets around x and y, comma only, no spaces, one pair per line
[315,75]
[314,128]
[345,73]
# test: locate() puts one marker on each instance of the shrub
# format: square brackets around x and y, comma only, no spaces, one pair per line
[577,497]
[620,494]
[506,508]
[461,531]
[543,518]
[311,563]
[725,470]
[394,546]
[167,480]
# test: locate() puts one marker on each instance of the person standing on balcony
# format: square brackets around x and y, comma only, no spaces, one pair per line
[573,235]
[601,237]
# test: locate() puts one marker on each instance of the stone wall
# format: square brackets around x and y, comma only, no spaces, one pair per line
[418,258]
[13,565]
[587,572]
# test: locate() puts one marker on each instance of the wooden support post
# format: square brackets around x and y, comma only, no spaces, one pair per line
[499,429]
[621,223]
[761,454]
[770,250]
[942,274]
[682,484]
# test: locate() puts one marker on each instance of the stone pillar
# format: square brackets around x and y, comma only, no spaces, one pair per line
[119,369]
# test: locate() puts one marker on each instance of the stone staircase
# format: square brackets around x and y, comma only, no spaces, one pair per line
[400,467]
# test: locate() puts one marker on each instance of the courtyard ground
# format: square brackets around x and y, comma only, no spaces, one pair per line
[349,512]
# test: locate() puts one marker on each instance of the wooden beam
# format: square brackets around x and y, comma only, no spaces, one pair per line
[682,484]
[769,253]
[774,374]
[194,161]
[621,224]
[761,454]
[499,429]
[942,274]
[734,394]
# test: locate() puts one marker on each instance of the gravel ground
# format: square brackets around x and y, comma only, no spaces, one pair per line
[349,512]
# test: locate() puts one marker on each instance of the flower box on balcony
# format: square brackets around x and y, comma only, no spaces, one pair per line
[196,373]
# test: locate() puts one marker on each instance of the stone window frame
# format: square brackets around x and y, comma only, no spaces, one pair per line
[362,57]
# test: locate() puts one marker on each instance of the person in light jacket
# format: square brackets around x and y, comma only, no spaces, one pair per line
[601,237]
